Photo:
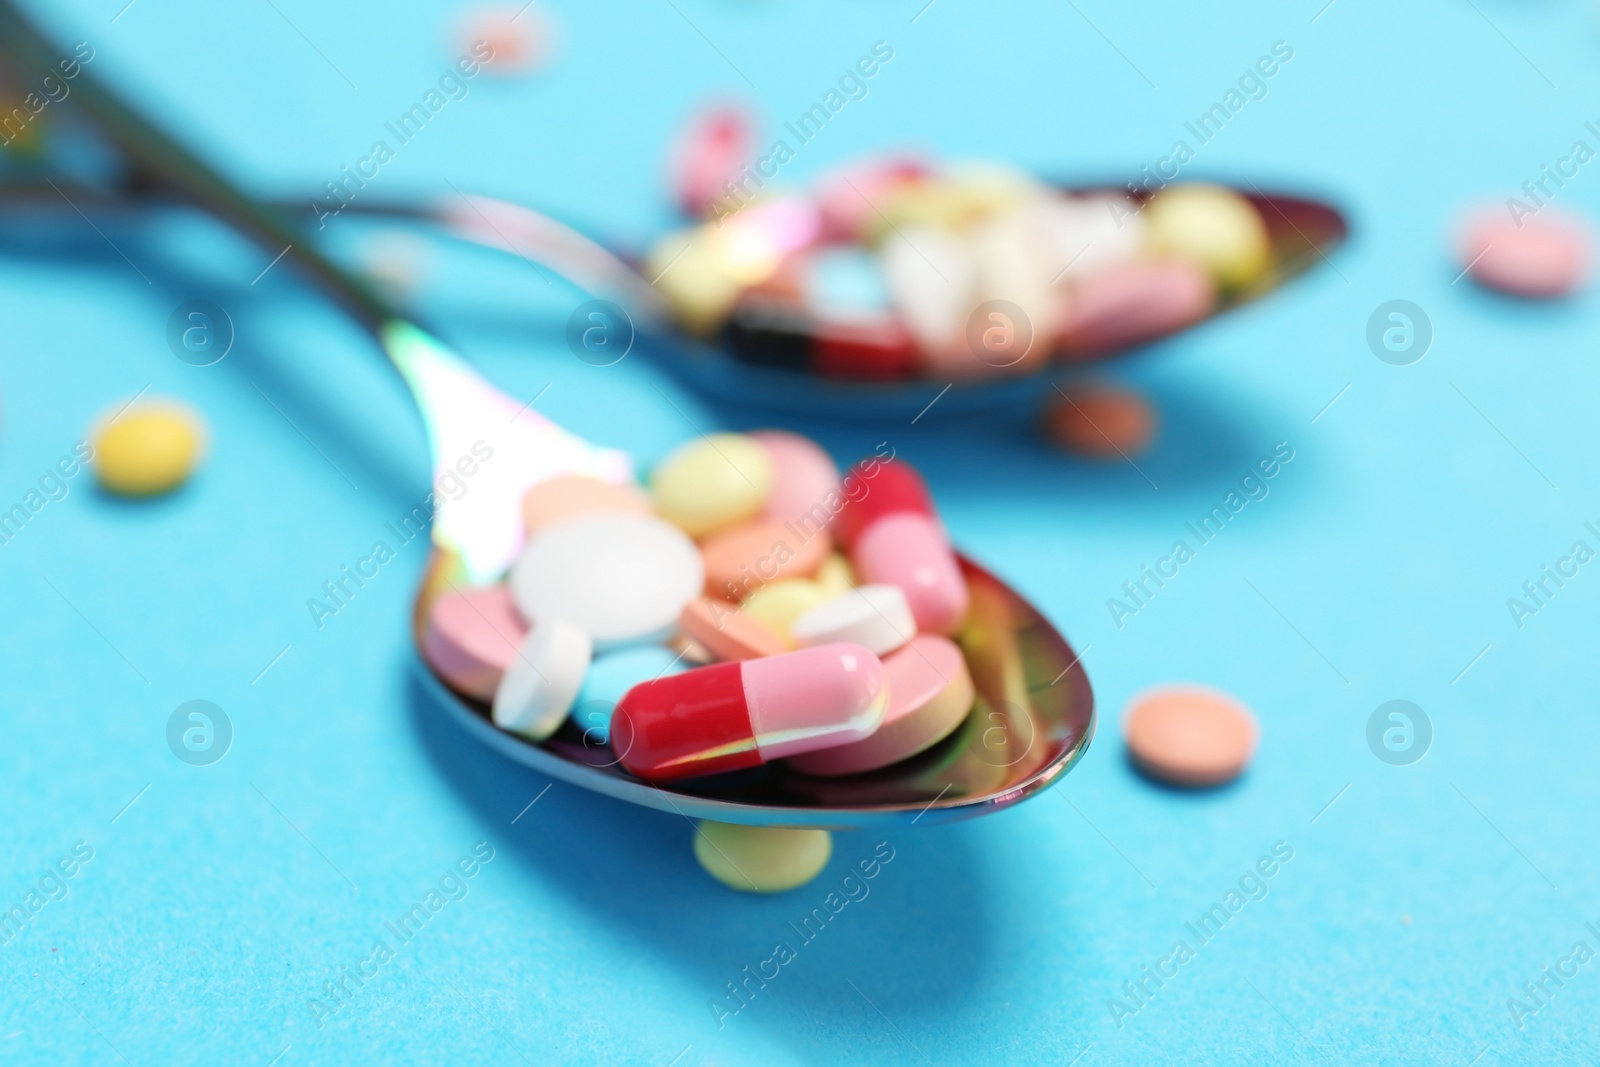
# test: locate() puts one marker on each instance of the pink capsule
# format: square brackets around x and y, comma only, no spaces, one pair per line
[735,715]
[895,538]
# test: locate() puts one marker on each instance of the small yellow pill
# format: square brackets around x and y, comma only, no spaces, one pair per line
[835,576]
[1213,227]
[149,449]
[778,604]
[761,859]
[694,280]
[712,483]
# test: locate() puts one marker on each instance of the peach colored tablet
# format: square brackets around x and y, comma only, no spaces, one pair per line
[471,637]
[1189,735]
[573,494]
[728,633]
[1101,422]
[742,560]
[930,693]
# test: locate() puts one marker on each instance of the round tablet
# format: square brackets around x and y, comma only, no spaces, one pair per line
[610,677]
[778,605]
[1101,422]
[728,633]
[541,683]
[1212,226]
[761,859]
[574,494]
[471,636]
[930,694]
[148,449]
[1189,736]
[804,478]
[877,617]
[618,578]
[1546,255]
[741,560]
[712,483]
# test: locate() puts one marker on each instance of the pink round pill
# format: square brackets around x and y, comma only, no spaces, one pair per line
[1131,302]
[1545,255]
[471,636]
[803,477]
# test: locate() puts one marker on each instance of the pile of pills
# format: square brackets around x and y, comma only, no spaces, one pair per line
[749,605]
[896,270]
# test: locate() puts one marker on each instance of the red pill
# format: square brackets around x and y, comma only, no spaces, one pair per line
[735,715]
[895,538]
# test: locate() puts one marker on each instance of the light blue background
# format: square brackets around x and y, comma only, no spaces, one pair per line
[1378,568]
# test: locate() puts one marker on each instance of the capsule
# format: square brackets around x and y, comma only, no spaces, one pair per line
[731,716]
[894,537]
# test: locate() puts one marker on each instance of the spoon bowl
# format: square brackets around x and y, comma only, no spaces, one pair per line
[1031,723]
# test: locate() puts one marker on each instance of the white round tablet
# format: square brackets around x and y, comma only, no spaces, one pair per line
[617,577]
[877,617]
[539,687]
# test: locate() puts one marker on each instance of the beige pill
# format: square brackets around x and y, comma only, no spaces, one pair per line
[1190,736]
[574,494]
[761,859]
[742,560]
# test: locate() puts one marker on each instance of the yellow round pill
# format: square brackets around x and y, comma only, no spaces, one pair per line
[149,448]
[835,576]
[778,604]
[761,859]
[712,482]
[1213,227]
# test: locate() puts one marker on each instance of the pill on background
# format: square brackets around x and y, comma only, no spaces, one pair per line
[1546,255]
[804,478]
[894,537]
[761,859]
[471,636]
[1132,302]
[712,483]
[712,148]
[778,604]
[1189,735]
[743,559]
[506,40]
[1213,227]
[930,694]
[877,617]
[618,578]
[728,633]
[735,715]
[542,682]
[150,448]
[567,495]
[609,678]
[1101,422]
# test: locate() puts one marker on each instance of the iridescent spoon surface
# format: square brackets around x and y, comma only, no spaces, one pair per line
[1034,716]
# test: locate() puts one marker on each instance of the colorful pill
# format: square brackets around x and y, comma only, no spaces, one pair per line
[471,636]
[618,578]
[736,715]
[742,560]
[709,154]
[930,694]
[608,680]
[1101,422]
[835,575]
[761,859]
[1190,736]
[1213,227]
[895,538]
[542,682]
[148,449]
[728,633]
[713,483]
[567,495]
[1547,255]
[876,617]
[804,479]
[1132,302]
[777,605]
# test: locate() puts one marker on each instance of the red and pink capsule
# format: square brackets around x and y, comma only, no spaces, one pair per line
[735,715]
[894,537]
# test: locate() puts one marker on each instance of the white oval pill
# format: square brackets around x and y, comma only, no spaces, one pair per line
[616,577]
[540,685]
[877,617]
